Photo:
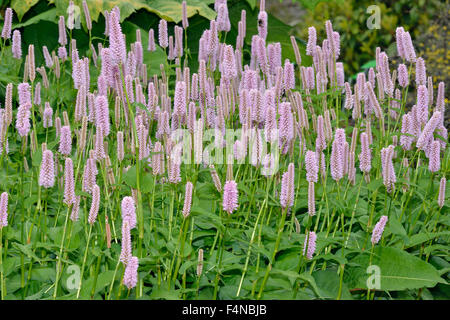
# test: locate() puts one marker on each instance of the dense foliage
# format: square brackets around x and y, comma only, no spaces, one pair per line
[97,204]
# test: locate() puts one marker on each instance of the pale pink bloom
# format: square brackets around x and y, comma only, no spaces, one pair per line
[69,183]
[129,211]
[310,242]
[287,187]
[378,230]
[95,204]
[187,199]
[230,196]
[130,276]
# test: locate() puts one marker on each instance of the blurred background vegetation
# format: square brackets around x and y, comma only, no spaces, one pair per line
[426,20]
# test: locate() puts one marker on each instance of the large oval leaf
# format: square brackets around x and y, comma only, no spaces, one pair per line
[399,270]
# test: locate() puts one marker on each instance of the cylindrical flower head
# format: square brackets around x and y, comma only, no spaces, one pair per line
[130,277]
[184,19]
[99,147]
[440,100]
[399,41]
[403,76]
[337,155]
[24,92]
[3,210]
[93,212]
[31,63]
[157,159]
[87,15]
[17,45]
[311,199]
[47,170]
[75,209]
[289,76]
[422,104]
[69,183]
[129,211]
[89,175]
[434,156]
[151,41]
[187,199]
[387,165]
[62,38]
[378,230]
[229,70]
[180,99]
[405,141]
[262,24]
[428,130]
[271,132]
[441,196]
[230,196]
[311,166]
[62,53]
[312,41]
[116,39]
[421,74]
[23,120]
[223,20]
[374,101]
[216,179]
[126,252]
[286,122]
[365,155]
[120,149]
[102,114]
[410,53]
[6,31]
[310,241]
[200,263]
[287,188]
[65,141]
[320,140]
[162,34]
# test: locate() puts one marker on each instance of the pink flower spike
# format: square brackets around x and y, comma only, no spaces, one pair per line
[378,230]
[3,210]
[230,196]
[47,170]
[287,188]
[310,241]
[93,212]
[69,183]
[129,211]
[130,276]
[188,199]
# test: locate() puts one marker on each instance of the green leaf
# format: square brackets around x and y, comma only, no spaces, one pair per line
[328,284]
[26,249]
[399,270]
[303,276]
[49,15]
[130,177]
[396,227]
[21,7]
[369,64]
[169,10]
[160,293]
[423,237]
[251,3]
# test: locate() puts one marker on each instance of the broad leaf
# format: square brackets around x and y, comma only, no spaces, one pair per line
[399,270]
